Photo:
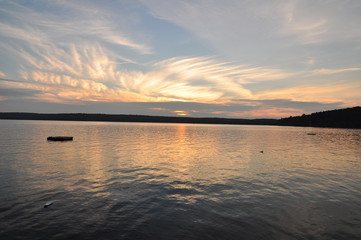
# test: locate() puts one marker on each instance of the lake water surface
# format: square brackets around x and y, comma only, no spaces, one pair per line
[178,181]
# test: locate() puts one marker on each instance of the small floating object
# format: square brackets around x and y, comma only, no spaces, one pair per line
[48,204]
[311,133]
[60,138]
[261,151]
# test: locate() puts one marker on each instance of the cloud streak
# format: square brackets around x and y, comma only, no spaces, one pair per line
[333,71]
[345,93]
[70,23]
[197,79]
[266,31]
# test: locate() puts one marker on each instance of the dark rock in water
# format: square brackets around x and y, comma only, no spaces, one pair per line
[48,204]
[60,138]
[311,133]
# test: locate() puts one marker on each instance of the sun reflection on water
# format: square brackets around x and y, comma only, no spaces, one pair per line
[132,174]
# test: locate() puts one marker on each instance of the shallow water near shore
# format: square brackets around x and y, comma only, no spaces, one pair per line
[178,181]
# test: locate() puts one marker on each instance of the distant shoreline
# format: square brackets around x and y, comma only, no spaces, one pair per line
[91,117]
[341,118]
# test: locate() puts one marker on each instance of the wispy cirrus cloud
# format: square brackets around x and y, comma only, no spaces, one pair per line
[28,34]
[253,53]
[89,73]
[69,22]
[341,92]
[319,21]
[333,71]
[272,31]
[198,79]
[305,30]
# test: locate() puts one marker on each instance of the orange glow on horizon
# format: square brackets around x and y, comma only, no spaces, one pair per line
[182,113]
[268,113]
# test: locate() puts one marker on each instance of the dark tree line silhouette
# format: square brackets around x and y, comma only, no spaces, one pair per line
[131,118]
[341,118]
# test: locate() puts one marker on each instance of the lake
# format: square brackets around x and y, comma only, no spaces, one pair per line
[178,181]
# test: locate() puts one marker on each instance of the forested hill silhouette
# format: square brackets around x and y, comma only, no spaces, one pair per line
[341,118]
[131,118]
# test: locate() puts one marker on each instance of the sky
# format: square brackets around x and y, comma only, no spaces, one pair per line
[197,58]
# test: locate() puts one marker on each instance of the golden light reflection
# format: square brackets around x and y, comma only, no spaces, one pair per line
[183,157]
[185,154]
[81,164]
[181,131]
[180,148]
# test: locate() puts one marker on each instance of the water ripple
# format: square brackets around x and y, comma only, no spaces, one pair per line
[173,181]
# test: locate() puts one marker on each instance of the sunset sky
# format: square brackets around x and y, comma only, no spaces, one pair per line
[199,58]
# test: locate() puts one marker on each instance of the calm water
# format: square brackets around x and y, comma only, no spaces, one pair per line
[178,181]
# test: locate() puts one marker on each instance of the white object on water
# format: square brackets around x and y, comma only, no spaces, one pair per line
[48,204]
